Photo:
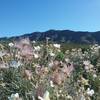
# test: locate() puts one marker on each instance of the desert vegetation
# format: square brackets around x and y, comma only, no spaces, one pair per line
[31,70]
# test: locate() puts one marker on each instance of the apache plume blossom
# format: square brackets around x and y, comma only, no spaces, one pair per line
[28,74]
[25,48]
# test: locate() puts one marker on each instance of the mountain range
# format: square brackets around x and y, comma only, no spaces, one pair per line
[67,36]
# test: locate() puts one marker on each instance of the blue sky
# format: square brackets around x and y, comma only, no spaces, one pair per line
[25,16]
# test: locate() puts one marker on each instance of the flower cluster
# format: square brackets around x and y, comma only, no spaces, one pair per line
[30,70]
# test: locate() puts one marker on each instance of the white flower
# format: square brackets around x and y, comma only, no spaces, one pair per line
[90,92]
[45,97]
[58,50]
[36,56]
[14,96]
[57,45]
[98,47]
[51,84]
[60,91]
[4,66]
[37,48]
[83,97]
[51,64]
[94,75]
[86,68]
[33,98]
[67,60]
[37,66]
[15,64]
[11,44]
[91,66]
[52,54]
[73,50]
[2,53]
[33,41]
[40,98]
[69,97]
[86,63]
[67,52]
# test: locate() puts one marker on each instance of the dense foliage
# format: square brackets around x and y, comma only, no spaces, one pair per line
[30,70]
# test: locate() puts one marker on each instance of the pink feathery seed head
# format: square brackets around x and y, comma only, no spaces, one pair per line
[55,65]
[25,48]
[56,62]
[25,41]
[71,67]
[40,90]
[28,74]
[4,65]
[67,69]
[58,77]
[19,44]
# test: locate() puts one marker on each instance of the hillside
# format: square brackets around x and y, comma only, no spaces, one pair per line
[63,36]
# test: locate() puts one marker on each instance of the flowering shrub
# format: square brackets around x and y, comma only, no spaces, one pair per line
[36,71]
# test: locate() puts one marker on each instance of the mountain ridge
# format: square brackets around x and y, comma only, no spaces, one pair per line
[67,36]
